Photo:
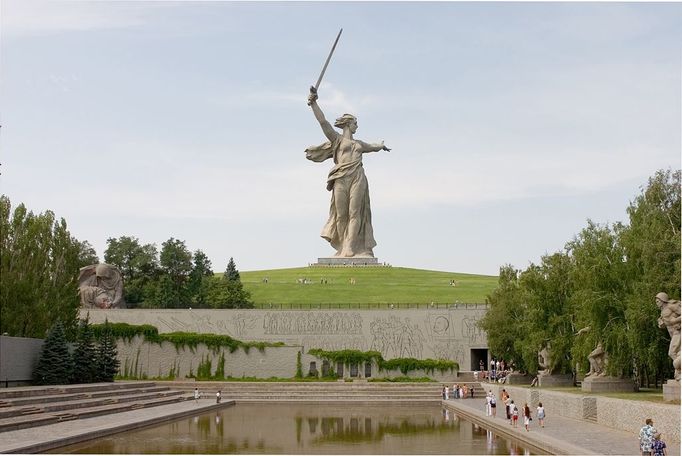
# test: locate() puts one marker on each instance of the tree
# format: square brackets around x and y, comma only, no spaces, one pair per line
[107,360]
[228,292]
[176,265]
[39,269]
[138,264]
[54,365]
[504,321]
[84,355]
[231,273]
[652,247]
[198,279]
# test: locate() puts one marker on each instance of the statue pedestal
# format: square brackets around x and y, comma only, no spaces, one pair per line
[555,380]
[671,391]
[353,261]
[598,384]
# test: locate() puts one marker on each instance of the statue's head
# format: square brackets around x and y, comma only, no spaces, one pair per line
[661,298]
[347,120]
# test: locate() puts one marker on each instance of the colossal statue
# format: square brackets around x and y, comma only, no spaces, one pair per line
[349,227]
[101,286]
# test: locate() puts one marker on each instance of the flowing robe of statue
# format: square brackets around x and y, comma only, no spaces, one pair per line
[357,237]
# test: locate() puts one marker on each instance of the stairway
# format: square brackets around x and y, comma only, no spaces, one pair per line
[25,407]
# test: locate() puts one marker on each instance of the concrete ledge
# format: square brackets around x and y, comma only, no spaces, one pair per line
[58,435]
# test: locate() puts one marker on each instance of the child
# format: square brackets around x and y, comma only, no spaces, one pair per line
[658,447]
[541,414]
[526,416]
[514,412]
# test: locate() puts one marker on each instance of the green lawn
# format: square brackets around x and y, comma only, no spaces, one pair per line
[374,287]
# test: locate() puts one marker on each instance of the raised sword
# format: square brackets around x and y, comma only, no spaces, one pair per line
[313,89]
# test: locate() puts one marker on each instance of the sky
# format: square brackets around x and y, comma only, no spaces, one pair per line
[510,124]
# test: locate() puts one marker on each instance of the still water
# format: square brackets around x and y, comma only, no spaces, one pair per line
[309,429]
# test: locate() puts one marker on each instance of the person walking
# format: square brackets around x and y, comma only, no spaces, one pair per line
[541,415]
[197,395]
[526,416]
[218,397]
[493,405]
[487,405]
[646,437]
[659,447]
[515,414]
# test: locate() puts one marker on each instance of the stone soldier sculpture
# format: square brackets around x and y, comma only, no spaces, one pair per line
[670,319]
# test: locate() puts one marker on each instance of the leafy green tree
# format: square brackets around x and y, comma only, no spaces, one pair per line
[199,279]
[504,322]
[652,247]
[601,280]
[84,355]
[138,263]
[39,270]
[227,294]
[176,265]
[106,358]
[231,273]
[54,365]
[548,321]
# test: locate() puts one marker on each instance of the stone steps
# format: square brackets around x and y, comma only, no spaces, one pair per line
[26,408]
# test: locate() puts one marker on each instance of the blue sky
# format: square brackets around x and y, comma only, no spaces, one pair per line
[511,124]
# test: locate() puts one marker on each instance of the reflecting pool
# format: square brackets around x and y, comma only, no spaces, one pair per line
[309,429]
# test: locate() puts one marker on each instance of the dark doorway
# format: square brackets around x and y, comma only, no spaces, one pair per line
[478,355]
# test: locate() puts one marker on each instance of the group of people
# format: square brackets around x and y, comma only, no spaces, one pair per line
[497,372]
[512,411]
[197,396]
[457,392]
[650,442]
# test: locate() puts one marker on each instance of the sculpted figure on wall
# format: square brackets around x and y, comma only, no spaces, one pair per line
[670,319]
[349,227]
[101,286]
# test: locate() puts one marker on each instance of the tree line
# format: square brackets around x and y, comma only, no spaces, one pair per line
[40,262]
[174,277]
[599,289]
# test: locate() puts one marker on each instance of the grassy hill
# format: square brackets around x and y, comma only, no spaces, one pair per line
[331,287]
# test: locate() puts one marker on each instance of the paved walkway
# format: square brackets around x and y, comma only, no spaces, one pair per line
[559,436]
[43,438]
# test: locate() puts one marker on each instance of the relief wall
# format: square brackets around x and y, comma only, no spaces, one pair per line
[401,333]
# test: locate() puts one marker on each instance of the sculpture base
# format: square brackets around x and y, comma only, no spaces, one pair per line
[607,384]
[352,261]
[554,380]
[671,391]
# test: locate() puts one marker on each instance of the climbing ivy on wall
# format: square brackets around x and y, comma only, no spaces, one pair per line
[405,365]
[214,342]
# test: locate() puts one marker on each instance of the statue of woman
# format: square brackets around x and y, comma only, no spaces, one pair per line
[349,227]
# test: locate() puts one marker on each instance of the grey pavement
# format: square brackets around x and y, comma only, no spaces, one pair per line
[559,436]
[43,438]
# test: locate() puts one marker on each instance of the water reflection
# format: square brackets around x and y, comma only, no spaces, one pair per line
[310,429]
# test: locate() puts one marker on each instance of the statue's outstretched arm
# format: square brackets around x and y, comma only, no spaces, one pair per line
[374,147]
[327,129]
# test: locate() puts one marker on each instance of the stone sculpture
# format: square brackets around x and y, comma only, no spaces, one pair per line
[598,359]
[349,227]
[101,286]
[545,361]
[670,319]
